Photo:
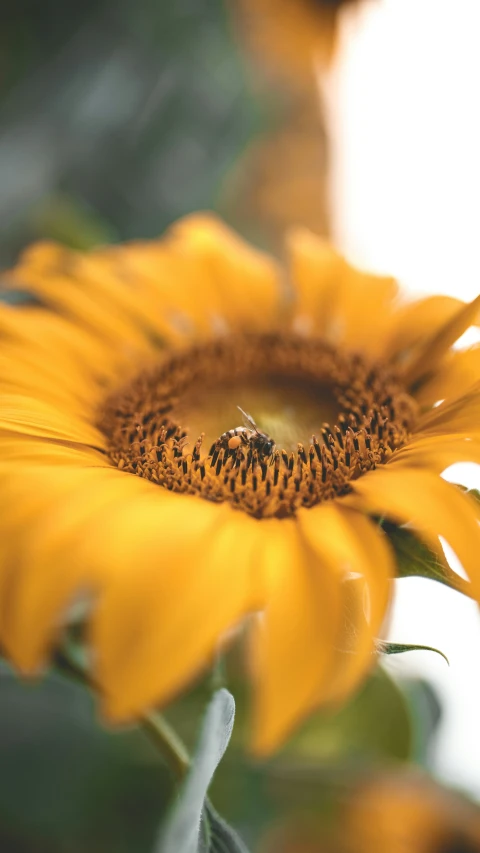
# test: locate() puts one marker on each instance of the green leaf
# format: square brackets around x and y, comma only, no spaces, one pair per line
[221,837]
[426,710]
[415,559]
[400,648]
[375,724]
[193,825]
[110,788]
[71,222]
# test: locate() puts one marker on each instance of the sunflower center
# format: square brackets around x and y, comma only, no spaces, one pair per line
[317,418]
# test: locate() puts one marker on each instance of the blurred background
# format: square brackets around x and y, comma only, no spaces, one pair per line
[358,120]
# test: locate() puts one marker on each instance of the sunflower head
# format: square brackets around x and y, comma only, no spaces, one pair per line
[294,384]
[129,475]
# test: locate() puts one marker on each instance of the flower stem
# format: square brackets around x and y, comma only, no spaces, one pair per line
[167,741]
[154,724]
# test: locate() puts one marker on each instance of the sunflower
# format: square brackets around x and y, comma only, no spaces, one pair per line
[408,811]
[402,812]
[293,34]
[282,178]
[127,476]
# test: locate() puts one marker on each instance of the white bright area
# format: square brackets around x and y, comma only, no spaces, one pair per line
[405,99]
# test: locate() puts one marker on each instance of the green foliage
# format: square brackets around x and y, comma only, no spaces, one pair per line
[426,713]
[400,648]
[220,837]
[415,559]
[376,724]
[67,783]
[129,115]
[193,825]
[67,221]
[111,789]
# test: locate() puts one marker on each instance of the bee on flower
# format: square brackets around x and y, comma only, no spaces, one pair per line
[125,357]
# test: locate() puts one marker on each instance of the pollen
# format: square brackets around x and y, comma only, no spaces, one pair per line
[148,433]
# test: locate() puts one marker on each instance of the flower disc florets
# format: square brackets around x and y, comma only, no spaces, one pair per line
[147,423]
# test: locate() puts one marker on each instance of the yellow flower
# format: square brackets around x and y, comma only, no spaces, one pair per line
[409,812]
[122,477]
[292,34]
[401,812]
[283,177]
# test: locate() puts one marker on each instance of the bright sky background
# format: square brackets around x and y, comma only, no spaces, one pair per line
[406,196]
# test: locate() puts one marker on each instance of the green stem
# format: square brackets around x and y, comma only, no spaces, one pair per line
[167,740]
[158,729]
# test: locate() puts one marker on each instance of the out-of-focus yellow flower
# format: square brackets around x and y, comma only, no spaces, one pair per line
[293,35]
[282,179]
[390,813]
[410,814]
[115,480]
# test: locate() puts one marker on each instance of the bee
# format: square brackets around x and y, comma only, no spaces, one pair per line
[249,435]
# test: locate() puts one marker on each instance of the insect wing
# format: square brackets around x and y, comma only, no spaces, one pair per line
[248,421]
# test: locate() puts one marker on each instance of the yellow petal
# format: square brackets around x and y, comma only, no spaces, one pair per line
[294,646]
[44,256]
[20,453]
[29,416]
[453,378]
[317,272]
[62,289]
[433,507]
[437,452]
[17,375]
[61,346]
[168,293]
[203,279]
[44,571]
[438,343]
[418,320]
[239,283]
[460,416]
[30,484]
[348,541]
[49,365]
[335,300]
[105,274]
[364,299]
[187,578]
